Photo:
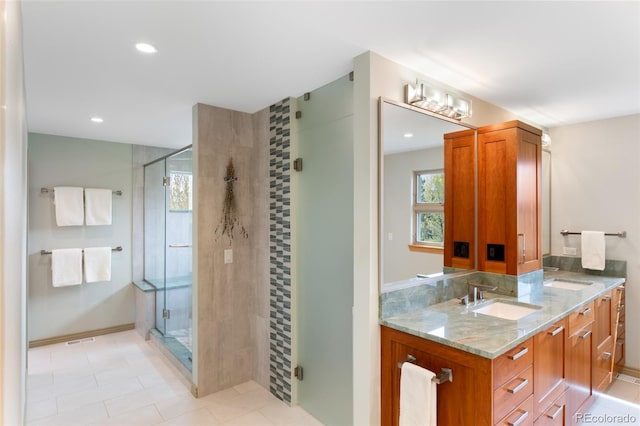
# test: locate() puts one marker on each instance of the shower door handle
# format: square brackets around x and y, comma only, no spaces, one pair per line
[179,245]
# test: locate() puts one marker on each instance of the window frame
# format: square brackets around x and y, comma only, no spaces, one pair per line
[419,207]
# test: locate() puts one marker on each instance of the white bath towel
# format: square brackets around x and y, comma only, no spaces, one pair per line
[418,396]
[593,250]
[98,206]
[97,264]
[69,205]
[66,267]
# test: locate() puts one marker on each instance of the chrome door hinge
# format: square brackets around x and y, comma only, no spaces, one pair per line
[166,314]
[166,181]
[297,372]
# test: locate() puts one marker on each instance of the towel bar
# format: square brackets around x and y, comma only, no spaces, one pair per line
[43,252]
[47,190]
[445,374]
[621,234]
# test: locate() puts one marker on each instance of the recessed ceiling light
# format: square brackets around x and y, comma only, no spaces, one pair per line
[97,119]
[408,135]
[146,48]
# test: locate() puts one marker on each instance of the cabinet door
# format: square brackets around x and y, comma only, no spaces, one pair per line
[459,208]
[548,366]
[509,215]
[578,369]
[604,326]
[465,401]
[619,327]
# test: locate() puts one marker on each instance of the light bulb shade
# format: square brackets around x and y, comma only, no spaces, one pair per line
[431,98]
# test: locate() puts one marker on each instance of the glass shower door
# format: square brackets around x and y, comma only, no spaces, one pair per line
[178,212]
[168,201]
[154,235]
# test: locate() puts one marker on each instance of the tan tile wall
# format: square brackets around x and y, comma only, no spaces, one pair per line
[232,299]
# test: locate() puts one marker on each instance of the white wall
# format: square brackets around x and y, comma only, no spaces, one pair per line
[64,161]
[399,263]
[13,214]
[595,185]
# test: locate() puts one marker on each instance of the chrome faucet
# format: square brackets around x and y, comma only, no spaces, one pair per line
[478,293]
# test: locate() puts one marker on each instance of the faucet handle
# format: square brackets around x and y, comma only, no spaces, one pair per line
[464,300]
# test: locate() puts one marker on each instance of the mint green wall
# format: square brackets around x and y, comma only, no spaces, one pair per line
[63,161]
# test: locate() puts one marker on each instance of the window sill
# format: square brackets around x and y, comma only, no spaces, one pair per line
[426,249]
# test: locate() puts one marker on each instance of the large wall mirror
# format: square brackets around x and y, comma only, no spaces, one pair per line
[412,192]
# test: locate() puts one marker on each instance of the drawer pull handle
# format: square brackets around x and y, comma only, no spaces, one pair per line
[557,331]
[606,298]
[585,335]
[519,354]
[606,356]
[620,288]
[518,388]
[586,311]
[520,419]
[555,413]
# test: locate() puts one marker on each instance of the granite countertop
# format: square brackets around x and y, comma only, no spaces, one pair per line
[456,325]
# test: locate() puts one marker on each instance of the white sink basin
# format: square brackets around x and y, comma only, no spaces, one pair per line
[509,311]
[568,284]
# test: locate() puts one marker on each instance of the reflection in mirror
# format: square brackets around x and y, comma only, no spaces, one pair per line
[411,192]
[546,202]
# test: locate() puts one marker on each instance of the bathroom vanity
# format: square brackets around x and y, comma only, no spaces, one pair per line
[539,369]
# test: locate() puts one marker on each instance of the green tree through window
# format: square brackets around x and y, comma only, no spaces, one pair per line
[429,207]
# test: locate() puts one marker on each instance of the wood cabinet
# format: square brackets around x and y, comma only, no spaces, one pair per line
[509,215]
[578,359]
[459,195]
[543,381]
[483,392]
[549,382]
[619,335]
[603,341]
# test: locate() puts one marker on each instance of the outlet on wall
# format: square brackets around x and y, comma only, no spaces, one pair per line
[571,251]
[228,256]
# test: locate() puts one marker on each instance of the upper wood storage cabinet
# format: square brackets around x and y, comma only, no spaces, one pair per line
[459,195]
[509,169]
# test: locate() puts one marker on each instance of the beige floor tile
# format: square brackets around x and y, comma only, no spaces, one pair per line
[139,417]
[171,409]
[143,397]
[281,414]
[79,417]
[41,409]
[200,417]
[624,390]
[242,404]
[76,400]
[253,418]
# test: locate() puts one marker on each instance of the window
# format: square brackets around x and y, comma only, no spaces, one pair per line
[428,208]
[181,193]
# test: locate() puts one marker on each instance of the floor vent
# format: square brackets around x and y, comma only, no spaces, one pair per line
[75,342]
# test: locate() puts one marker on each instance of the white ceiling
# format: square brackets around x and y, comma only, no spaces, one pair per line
[553,63]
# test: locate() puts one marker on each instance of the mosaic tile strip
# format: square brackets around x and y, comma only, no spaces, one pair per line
[280,250]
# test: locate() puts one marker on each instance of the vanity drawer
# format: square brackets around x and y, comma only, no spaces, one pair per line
[522,415]
[581,317]
[511,362]
[554,414]
[510,395]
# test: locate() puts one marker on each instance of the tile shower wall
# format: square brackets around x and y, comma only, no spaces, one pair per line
[280,250]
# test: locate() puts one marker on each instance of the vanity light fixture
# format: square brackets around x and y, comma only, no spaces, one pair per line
[546,140]
[97,119]
[426,96]
[146,48]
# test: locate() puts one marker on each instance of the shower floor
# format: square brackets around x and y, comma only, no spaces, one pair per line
[184,336]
